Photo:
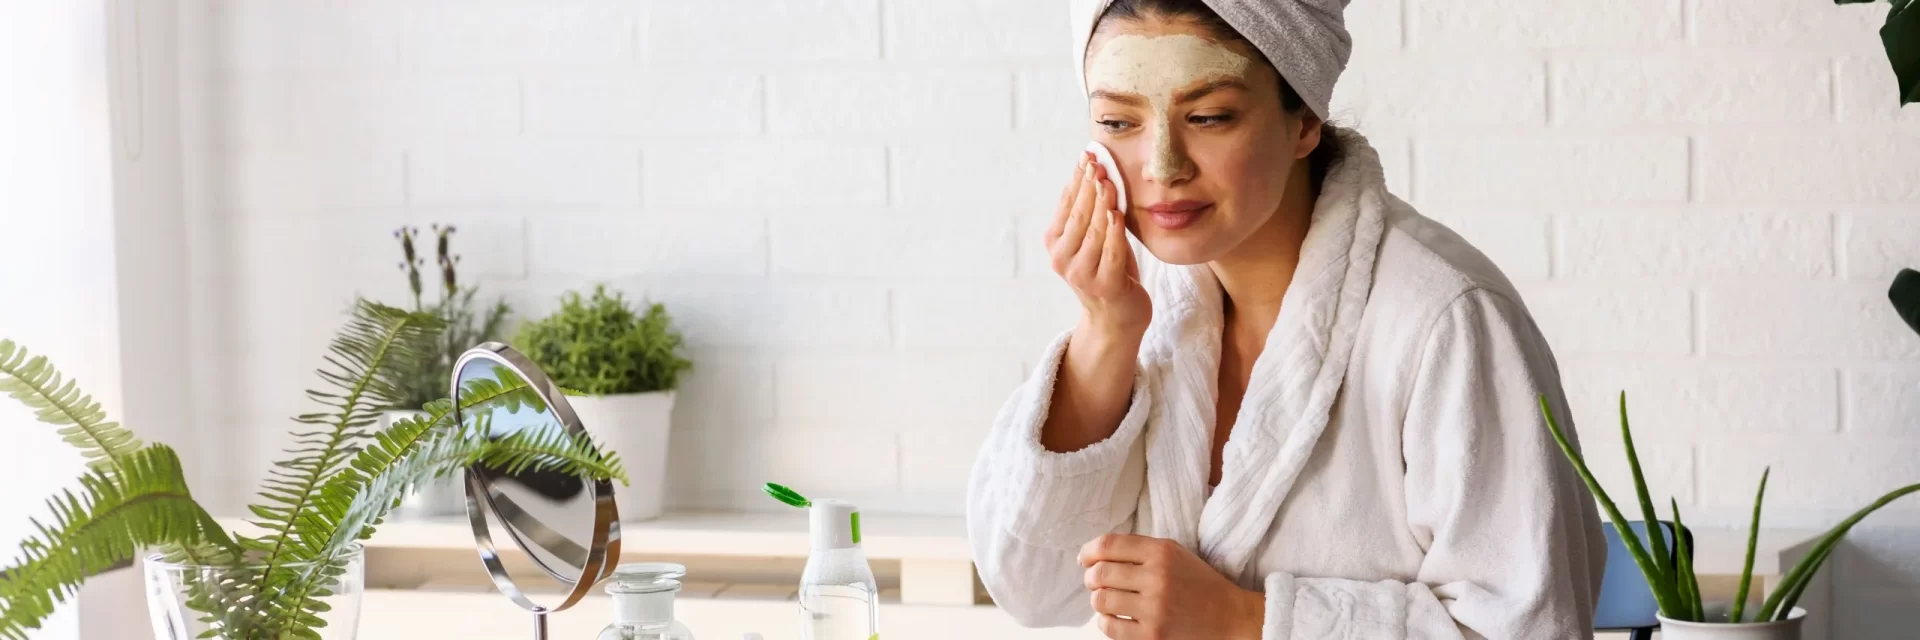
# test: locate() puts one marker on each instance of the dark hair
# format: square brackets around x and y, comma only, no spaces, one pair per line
[1323,157]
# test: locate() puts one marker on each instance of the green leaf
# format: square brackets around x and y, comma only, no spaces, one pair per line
[1753,541]
[1905,294]
[412,451]
[550,449]
[1689,584]
[1795,582]
[143,502]
[374,337]
[1664,591]
[1656,537]
[602,345]
[36,383]
[1901,38]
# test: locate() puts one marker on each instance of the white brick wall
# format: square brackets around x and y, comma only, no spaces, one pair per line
[841,200]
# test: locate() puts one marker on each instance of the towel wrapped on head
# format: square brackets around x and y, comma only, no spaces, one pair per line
[1305,40]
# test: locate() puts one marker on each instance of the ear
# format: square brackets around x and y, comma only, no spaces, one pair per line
[1309,137]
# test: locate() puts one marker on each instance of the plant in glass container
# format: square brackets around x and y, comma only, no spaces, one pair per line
[296,573]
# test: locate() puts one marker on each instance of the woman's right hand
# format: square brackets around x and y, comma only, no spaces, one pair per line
[1089,249]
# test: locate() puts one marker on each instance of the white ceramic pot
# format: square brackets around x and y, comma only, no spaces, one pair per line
[635,426]
[439,498]
[1788,629]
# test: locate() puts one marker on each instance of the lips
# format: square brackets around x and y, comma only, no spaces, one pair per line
[1178,214]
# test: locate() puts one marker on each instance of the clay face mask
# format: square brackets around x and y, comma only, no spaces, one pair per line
[1156,68]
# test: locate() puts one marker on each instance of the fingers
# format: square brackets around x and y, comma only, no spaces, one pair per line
[1087,259]
[1071,236]
[1119,628]
[1067,196]
[1121,547]
[1109,602]
[1116,260]
[1123,576]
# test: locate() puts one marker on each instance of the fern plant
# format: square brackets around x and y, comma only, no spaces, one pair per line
[341,478]
[602,346]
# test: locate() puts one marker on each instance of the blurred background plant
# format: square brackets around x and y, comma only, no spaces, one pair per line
[600,345]
[463,322]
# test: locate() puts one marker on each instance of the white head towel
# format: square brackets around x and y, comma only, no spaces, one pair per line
[1306,40]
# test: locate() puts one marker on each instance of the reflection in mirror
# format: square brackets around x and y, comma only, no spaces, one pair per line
[558,519]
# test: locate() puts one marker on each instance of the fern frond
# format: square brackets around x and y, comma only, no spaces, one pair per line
[551,449]
[34,382]
[412,452]
[144,502]
[376,336]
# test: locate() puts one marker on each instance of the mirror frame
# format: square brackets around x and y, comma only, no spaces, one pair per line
[604,553]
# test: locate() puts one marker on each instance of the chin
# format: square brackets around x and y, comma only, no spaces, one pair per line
[1179,248]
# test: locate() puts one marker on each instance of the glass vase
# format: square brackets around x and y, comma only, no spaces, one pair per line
[171,587]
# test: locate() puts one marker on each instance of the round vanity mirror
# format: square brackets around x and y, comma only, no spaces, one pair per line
[566,525]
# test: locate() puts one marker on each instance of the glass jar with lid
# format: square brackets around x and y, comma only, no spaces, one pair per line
[643,596]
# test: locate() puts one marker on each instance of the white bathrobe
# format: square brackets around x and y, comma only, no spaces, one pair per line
[1389,474]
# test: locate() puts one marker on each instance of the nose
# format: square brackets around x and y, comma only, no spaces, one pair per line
[1168,163]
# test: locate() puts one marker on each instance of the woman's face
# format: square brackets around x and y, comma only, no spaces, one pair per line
[1197,129]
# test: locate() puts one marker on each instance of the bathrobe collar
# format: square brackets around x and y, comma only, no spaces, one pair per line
[1294,382]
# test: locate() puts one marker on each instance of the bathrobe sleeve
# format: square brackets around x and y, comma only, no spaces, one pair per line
[1513,542]
[1029,510]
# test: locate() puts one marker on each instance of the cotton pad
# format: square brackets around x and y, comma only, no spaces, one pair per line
[1105,158]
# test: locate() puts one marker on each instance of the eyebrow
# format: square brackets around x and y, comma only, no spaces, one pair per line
[1129,99]
[1208,88]
[1190,96]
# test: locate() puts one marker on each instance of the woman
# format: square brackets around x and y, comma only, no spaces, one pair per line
[1309,412]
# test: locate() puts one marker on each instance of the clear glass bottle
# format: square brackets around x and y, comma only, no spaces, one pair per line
[643,602]
[838,597]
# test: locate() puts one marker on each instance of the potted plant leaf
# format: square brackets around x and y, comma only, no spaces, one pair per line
[296,573]
[620,366]
[422,377]
[1901,38]
[1683,612]
[1905,295]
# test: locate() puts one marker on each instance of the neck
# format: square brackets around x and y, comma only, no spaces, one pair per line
[1255,275]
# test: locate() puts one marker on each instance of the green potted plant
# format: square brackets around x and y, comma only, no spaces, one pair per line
[620,366]
[422,377]
[296,570]
[1684,614]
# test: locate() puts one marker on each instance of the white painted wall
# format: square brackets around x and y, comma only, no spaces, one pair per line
[841,200]
[57,270]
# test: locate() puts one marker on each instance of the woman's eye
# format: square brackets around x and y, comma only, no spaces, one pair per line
[1114,126]
[1205,121]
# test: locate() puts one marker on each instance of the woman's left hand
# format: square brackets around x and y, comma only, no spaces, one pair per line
[1165,592]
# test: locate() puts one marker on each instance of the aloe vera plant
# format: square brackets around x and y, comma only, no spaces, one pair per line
[1674,584]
